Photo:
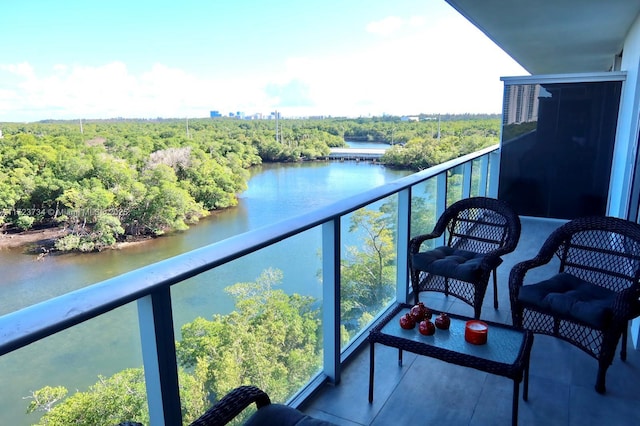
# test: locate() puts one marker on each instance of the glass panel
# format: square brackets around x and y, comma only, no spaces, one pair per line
[368,265]
[454,185]
[634,203]
[492,167]
[423,207]
[79,374]
[256,320]
[557,147]
[476,175]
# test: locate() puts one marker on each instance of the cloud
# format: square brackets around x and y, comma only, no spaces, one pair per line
[294,93]
[23,69]
[417,21]
[393,25]
[386,26]
[443,67]
[112,90]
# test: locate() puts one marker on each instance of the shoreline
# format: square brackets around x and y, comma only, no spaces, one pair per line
[39,237]
[42,239]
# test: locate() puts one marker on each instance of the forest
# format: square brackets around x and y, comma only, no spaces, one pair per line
[109,181]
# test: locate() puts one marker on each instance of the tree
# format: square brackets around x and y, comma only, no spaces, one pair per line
[85,202]
[368,270]
[45,398]
[166,206]
[106,230]
[110,401]
[119,398]
[24,222]
[271,340]
[213,184]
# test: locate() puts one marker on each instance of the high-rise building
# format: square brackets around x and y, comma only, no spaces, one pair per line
[521,103]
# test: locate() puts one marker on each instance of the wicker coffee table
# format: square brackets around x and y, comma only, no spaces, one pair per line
[506,352]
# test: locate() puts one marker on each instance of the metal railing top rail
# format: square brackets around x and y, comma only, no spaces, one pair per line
[33,323]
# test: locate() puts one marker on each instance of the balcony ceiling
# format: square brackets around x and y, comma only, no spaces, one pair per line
[555,36]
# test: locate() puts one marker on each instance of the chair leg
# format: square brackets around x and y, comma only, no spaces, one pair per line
[610,341]
[477,309]
[600,379]
[495,289]
[516,316]
[623,348]
[415,284]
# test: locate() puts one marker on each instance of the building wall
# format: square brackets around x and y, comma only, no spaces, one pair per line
[624,155]
[627,140]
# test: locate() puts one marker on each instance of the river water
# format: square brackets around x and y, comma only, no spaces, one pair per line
[110,343]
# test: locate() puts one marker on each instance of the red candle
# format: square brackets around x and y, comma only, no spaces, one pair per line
[476,332]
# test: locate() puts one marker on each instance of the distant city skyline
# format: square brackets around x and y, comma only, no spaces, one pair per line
[146,59]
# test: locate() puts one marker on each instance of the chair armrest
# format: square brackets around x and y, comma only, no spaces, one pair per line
[416,242]
[519,271]
[627,304]
[544,256]
[438,230]
[231,405]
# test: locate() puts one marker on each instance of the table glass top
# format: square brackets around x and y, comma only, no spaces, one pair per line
[503,343]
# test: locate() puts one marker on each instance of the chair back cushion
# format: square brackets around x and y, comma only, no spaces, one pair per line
[283,415]
[449,262]
[570,297]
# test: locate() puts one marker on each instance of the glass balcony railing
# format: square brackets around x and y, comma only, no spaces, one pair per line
[358,244]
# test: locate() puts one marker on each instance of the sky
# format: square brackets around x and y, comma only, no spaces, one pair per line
[73,59]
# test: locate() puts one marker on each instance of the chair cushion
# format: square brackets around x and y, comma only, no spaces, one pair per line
[282,415]
[449,262]
[570,297]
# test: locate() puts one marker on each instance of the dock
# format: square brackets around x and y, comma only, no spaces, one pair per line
[356,154]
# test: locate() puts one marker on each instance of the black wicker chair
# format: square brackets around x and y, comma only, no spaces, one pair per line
[594,294]
[268,414]
[480,231]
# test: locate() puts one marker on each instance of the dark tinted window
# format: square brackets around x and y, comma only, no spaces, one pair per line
[557,147]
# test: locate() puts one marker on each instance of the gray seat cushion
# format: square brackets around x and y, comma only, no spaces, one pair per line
[571,297]
[449,262]
[283,415]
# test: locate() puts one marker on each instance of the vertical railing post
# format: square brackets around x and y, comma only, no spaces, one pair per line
[159,357]
[441,200]
[466,179]
[402,245]
[484,172]
[331,299]
[494,173]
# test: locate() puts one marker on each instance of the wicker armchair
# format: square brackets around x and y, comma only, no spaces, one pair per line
[594,294]
[268,414]
[480,230]
[231,405]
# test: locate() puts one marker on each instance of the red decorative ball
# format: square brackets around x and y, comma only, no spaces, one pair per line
[427,328]
[407,322]
[420,312]
[443,321]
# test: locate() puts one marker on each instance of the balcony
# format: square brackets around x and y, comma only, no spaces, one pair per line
[561,388]
[428,391]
